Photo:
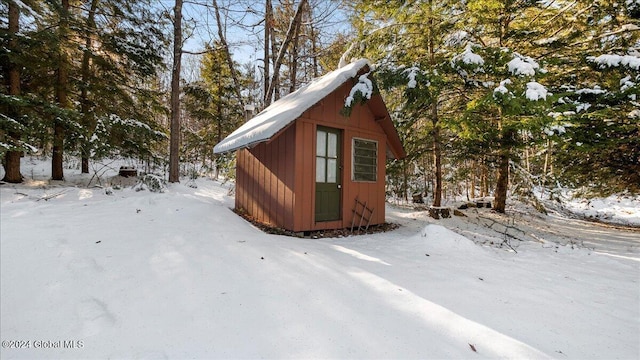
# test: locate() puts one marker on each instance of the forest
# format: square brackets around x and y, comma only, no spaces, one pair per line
[490,97]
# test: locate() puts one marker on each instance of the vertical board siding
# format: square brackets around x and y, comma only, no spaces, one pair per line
[259,183]
[360,124]
[265,180]
[267,190]
[240,175]
[309,141]
[300,185]
[278,147]
[276,179]
[289,148]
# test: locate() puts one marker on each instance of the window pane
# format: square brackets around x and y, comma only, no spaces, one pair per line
[365,160]
[332,170]
[320,169]
[332,150]
[321,144]
[363,144]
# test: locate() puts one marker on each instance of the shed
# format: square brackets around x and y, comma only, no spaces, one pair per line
[303,166]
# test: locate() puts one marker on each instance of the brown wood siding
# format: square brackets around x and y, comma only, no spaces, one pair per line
[264,180]
[305,178]
[276,179]
[240,176]
[360,124]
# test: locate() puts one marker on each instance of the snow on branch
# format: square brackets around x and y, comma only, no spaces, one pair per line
[502,88]
[360,91]
[597,90]
[468,57]
[610,60]
[522,65]
[536,91]
[411,73]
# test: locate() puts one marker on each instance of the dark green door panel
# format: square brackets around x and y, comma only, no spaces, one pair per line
[328,174]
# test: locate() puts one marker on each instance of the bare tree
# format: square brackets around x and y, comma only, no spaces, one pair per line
[293,25]
[223,41]
[267,37]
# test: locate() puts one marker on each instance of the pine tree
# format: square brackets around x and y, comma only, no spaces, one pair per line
[408,42]
[213,106]
[61,89]
[90,29]
[13,127]
[121,54]
[497,67]
[594,44]
[36,109]
[83,61]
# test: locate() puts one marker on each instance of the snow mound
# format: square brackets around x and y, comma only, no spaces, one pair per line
[439,237]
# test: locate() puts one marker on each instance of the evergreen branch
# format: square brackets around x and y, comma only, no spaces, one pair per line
[623,29]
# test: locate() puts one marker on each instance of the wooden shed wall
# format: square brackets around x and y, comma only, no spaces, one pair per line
[275,180]
[360,124]
[265,179]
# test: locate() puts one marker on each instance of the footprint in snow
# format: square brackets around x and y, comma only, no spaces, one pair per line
[83,264]
[95,316]
[56,242]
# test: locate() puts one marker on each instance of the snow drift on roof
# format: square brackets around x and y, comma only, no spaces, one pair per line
[284,111]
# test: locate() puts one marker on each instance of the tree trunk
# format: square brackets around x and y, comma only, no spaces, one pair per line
[437,152]
[274,83]
[405,179]
[267,35]
[547,168]
[290,34]
[217,156]
[437,156]
[293,66]
[174,141]
[84,91]
[57,172]
[503,182]
[473,179]
[223,40]
[314,48]
[218,131]
[526,152]
[12,158]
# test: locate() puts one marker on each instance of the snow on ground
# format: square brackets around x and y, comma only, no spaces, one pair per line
[523,225]
[179,275]
[622,209]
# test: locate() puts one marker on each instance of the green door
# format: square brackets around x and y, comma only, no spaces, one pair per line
[328,186]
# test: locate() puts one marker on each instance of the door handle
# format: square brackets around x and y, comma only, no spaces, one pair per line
[339,186]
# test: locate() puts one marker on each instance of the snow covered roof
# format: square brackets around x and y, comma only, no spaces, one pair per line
[286,110]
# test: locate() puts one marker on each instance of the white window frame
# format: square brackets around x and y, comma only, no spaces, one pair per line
[353,160]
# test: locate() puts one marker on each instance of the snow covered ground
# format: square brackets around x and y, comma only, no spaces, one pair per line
[179,275]
[621,209]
